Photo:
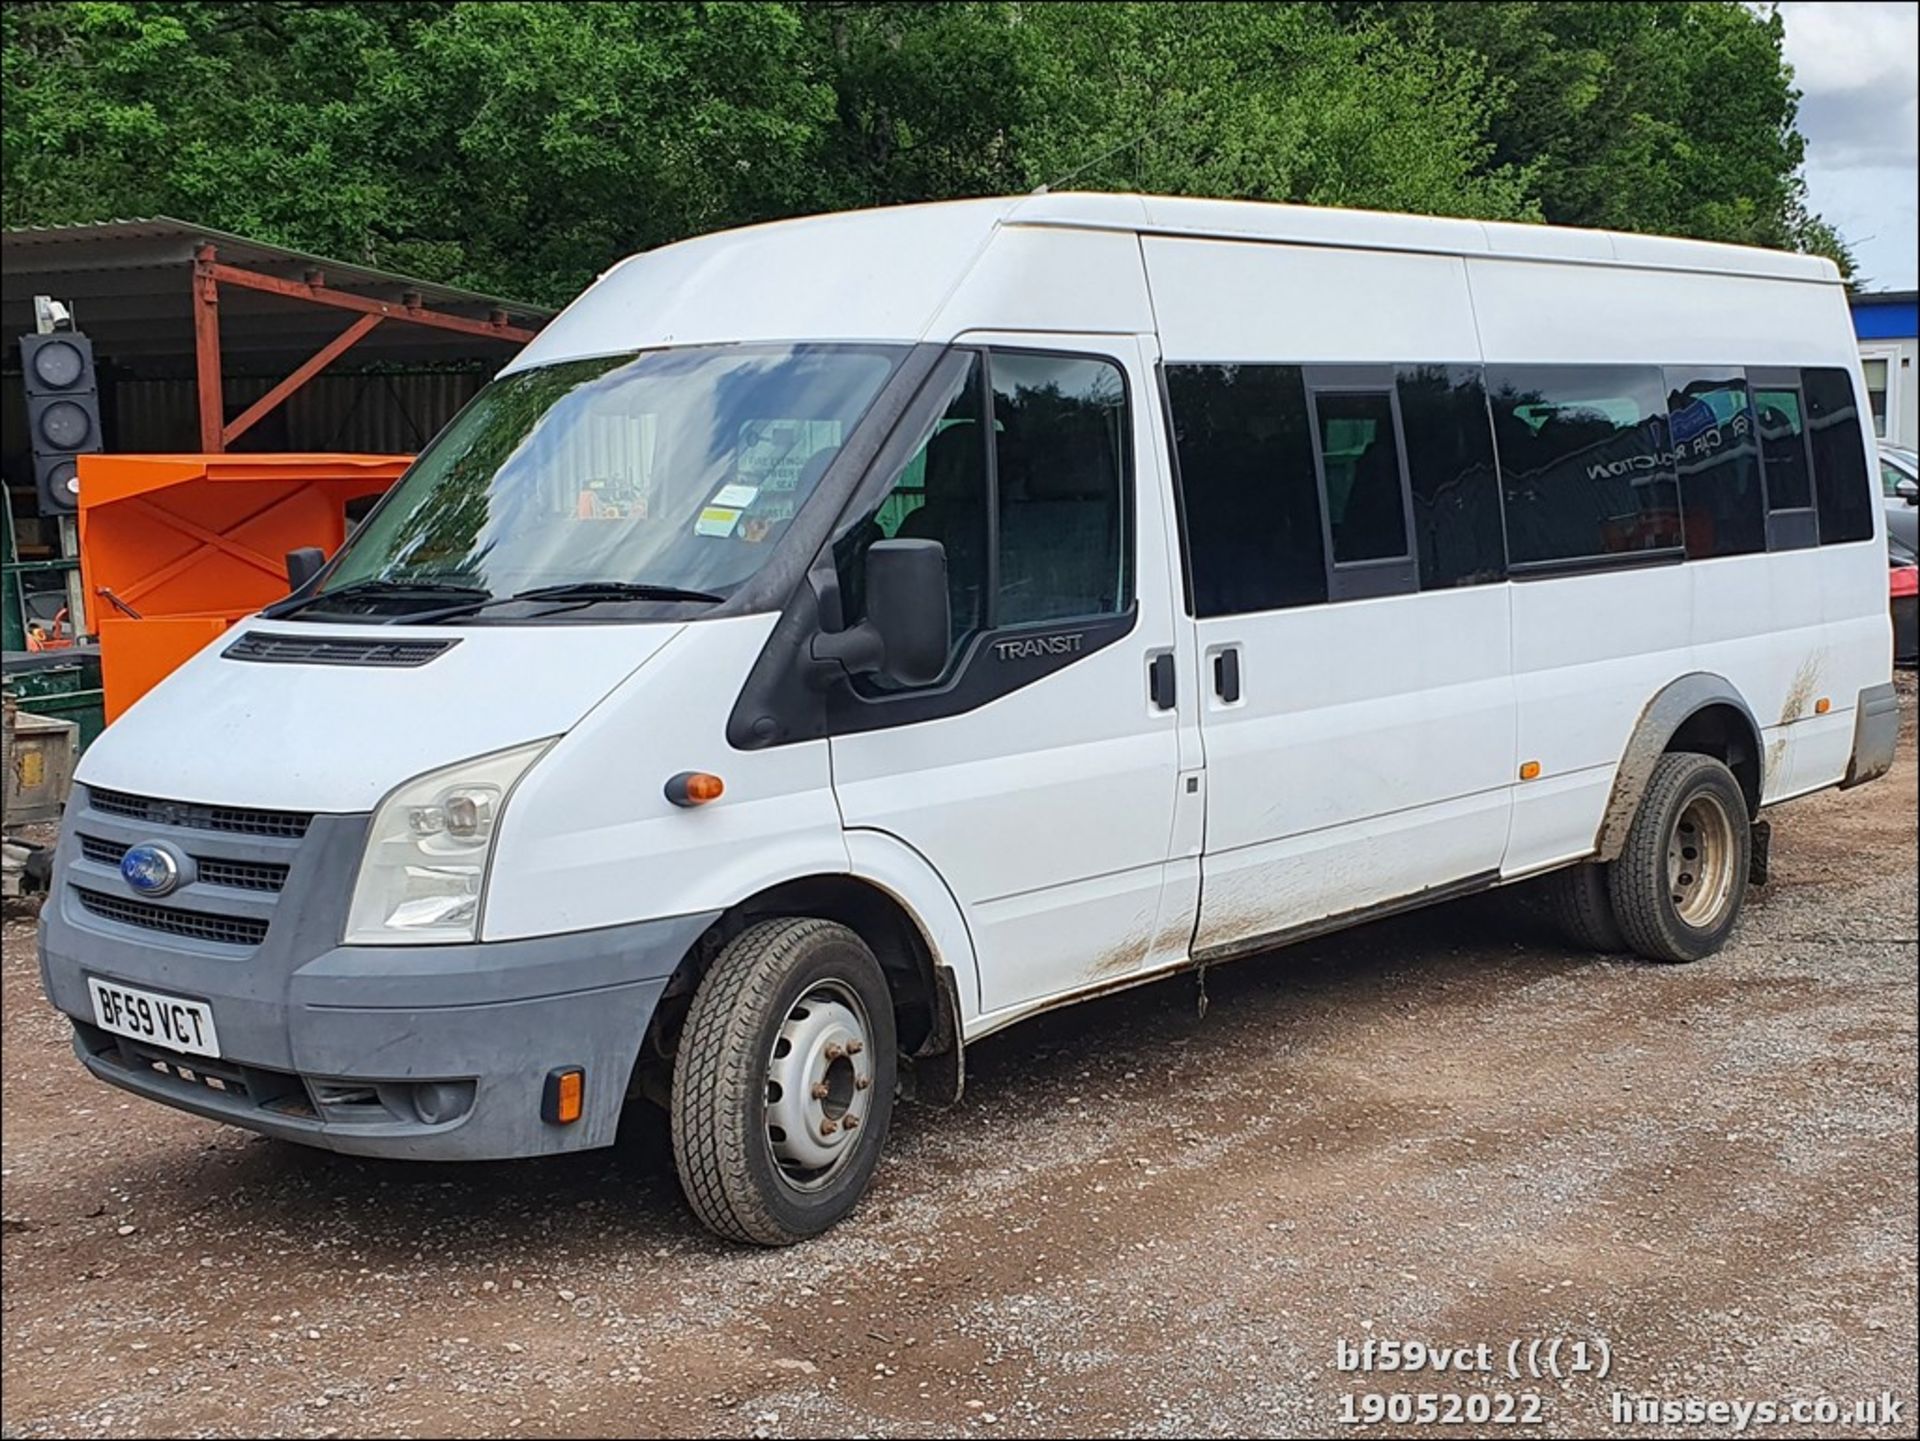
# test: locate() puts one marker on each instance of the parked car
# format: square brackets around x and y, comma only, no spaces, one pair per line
[1900,481]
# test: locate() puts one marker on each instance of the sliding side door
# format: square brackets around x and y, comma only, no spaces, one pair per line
[1345,558]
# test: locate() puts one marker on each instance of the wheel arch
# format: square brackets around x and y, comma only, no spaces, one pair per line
[1702,713]
[905,914]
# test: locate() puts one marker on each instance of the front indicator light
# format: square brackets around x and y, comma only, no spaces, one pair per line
[695,788]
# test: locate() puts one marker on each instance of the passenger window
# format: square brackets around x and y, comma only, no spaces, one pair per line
[1360,463]
[1839,457]
[1456,497]
[1060,442]
[1249,501]
[1584,462]
[1716,451]
[940,494]
[1783,447]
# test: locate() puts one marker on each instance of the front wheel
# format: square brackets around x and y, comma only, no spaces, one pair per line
[783,1082]
[1679,883]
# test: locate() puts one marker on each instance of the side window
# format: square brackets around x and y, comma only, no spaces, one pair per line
[1840,483]
[1716,450]
[1456,498]
[1584,462]
[1060,447]
[1780,410]
[940,494]
[1249,499]
[1360,460]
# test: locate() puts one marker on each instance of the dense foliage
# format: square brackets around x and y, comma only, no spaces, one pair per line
[520,147]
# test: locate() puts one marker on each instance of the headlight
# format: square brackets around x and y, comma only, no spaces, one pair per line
[426,859]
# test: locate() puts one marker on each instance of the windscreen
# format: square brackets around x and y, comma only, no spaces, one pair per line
[675,468]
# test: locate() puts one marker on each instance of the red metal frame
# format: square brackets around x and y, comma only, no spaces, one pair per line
[209,273]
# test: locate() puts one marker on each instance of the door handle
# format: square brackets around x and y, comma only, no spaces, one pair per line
[1226,674]
[1161,685]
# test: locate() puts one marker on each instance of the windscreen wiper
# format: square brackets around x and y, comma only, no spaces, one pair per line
[566,595]
[377,586]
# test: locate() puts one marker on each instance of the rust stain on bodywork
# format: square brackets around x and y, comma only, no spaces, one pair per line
[1800,694]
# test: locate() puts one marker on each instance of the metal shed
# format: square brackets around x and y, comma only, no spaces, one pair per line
[180,313]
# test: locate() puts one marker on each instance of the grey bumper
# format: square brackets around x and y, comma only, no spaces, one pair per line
[425,1052]
[1876,729]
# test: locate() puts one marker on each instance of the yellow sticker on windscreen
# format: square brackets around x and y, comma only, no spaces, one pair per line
[716,520]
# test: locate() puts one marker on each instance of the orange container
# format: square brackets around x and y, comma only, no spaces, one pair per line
[176,548]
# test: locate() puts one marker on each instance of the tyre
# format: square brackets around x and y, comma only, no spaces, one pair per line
[783,1082]
[1578,895]
[1678,885]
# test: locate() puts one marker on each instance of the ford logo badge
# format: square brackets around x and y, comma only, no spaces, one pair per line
[149,870]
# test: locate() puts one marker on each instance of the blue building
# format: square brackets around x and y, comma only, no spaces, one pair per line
[1888,328]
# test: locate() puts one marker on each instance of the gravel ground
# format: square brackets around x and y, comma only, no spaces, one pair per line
[1444,1127]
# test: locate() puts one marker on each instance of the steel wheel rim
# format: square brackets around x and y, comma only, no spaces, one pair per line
[1700,862]
[819,1085]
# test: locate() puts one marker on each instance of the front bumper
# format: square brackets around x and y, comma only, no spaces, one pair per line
[423,1052]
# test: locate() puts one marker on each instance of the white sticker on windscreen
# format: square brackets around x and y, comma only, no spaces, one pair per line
[716,520]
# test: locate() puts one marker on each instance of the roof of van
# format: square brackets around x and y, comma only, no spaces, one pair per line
[889,273]
[1387,230]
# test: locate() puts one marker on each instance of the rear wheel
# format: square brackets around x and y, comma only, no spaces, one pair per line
[1578,895]
[783,1082]
[1681,879]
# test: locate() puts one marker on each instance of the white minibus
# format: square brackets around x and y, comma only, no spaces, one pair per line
[830,642]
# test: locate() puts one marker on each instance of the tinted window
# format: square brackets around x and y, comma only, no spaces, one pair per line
[1250,502]
[1716,451]
[1783,447]
[1839,457]
[1456,500]
[1060,430]
[1360,462]
[940,494]
[1584,461]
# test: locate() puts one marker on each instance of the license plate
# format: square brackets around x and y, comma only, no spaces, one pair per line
[168,1021]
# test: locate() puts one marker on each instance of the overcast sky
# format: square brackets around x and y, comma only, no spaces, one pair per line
[1858,67]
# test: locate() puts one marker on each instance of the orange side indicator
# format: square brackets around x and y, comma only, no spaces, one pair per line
[695,788]
[565,1097]
[1529,770]
[1822,706]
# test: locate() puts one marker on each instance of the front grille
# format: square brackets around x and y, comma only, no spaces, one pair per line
[108,853]
[241,875]
[196,925]
[236,819]
[335,650]
[211,870]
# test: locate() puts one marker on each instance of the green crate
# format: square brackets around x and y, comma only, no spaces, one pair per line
[64,691]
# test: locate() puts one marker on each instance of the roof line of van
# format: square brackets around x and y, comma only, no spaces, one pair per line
[1263,223]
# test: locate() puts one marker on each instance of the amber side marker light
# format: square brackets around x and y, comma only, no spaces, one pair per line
[1529,770]
[1822,706]
[695,788]
[565,1096]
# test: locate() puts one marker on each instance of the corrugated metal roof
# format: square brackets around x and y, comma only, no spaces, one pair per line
[130,283]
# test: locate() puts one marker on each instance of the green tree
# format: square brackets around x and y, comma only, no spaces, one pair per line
[521,147]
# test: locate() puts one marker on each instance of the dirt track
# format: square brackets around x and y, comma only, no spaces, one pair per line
[1444,1127]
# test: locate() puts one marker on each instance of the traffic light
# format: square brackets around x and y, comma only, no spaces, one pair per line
[63,413]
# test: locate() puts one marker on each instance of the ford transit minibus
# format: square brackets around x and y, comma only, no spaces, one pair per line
[830,642]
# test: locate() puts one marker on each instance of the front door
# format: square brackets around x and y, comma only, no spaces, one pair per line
[1041,774]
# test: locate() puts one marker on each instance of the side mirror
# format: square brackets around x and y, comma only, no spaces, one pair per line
[303,565]
[1908,490]
[905,634]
